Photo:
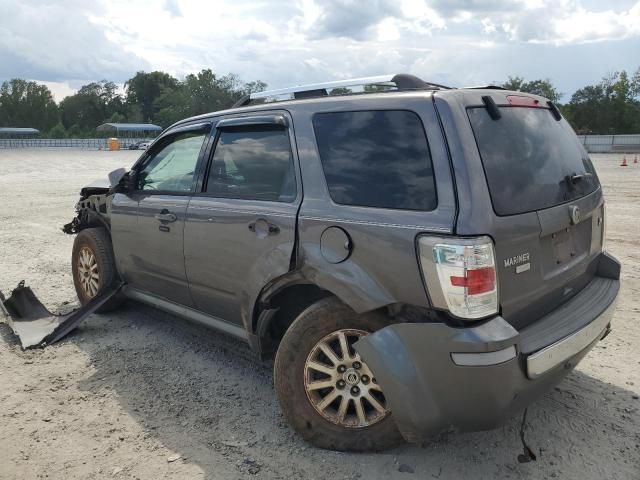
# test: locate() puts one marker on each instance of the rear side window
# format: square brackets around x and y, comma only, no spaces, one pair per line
[253,163]
[376,159]
[531,160]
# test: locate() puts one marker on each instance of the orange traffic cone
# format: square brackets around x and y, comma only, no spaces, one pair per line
[624,162]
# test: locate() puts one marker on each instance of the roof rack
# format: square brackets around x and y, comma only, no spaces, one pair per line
[484,87]
[401,81]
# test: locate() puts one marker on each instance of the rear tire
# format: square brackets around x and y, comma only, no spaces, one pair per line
[338,424]
[93,267]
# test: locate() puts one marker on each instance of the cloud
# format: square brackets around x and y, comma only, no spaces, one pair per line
[557,22]
[173,8]
[55,42]
[288,42]
[450,8]
[352,18]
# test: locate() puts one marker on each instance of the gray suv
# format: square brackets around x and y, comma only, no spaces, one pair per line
[417,258]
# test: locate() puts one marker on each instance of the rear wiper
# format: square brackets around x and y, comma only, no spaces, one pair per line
[575,178]
[572,180]
[492,108]
[554,110]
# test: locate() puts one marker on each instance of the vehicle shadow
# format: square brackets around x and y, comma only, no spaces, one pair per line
[207,397]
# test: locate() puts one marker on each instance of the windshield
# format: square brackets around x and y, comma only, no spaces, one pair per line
[531,160]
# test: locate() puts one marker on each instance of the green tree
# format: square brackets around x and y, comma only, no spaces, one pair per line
[143,89]
[75,131]
[340,91]
[58,131]
[254,87]
[173,105]
[27,104]
[92,105]
[134,113]
[542,87]
[611,106]
[117,118]
[200,93]
[376,88]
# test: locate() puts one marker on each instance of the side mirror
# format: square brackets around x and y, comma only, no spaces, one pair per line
[116,176]
[126,182]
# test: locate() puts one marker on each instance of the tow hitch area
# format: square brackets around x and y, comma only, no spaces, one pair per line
[36,326]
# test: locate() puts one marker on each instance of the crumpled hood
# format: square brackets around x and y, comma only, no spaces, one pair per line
[100,183]
[104,184]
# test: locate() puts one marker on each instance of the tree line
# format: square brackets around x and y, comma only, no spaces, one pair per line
[149,97]
[611,106]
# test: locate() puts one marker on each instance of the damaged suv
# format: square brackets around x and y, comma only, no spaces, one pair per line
[417,258]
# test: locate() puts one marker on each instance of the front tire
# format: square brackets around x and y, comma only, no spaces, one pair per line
[327,392]
[93,267]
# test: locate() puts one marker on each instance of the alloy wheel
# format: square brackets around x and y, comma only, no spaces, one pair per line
[88,272]
[339,385]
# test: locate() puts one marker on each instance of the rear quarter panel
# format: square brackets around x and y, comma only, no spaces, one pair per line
[382,268]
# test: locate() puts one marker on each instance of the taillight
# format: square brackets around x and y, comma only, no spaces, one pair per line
[460,275]
[480,280]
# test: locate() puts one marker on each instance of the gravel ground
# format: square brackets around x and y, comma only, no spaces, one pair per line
[141,394]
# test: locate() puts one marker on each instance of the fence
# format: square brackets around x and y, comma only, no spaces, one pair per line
[592,143]
[611,143]
[81,143]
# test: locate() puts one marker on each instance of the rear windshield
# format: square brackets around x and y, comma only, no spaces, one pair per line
[531,160]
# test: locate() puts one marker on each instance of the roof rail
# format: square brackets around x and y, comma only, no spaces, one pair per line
[400,81]
[484,87]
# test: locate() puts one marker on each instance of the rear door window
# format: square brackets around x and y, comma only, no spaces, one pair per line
[376,159]
[253,163]
[531,160]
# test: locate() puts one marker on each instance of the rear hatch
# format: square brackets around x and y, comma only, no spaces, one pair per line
[548,212]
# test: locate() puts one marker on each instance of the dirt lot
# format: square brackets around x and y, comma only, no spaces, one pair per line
[128,392]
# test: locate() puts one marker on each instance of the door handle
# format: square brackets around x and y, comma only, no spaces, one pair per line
[273,229]
[263,228]
[165,217]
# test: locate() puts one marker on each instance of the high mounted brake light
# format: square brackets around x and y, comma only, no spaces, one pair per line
[460,275]
[522,101]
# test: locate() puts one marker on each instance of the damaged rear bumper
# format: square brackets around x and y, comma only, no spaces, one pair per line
[438,378]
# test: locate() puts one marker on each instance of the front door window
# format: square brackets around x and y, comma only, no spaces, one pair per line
[172,167]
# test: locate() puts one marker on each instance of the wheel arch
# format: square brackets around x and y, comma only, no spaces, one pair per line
[277,306]
[280,302]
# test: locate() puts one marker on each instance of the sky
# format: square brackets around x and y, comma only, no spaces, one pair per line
[66,44]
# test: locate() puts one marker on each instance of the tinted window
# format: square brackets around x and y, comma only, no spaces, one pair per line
[528,158]
[376,159]
[172,167]
[253,164]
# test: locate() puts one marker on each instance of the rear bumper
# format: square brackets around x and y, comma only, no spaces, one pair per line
[438,378]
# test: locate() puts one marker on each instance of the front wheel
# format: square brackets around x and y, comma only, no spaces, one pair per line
[328,393]
[93,266]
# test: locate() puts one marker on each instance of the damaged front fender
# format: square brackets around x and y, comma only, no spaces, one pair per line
[36,326]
